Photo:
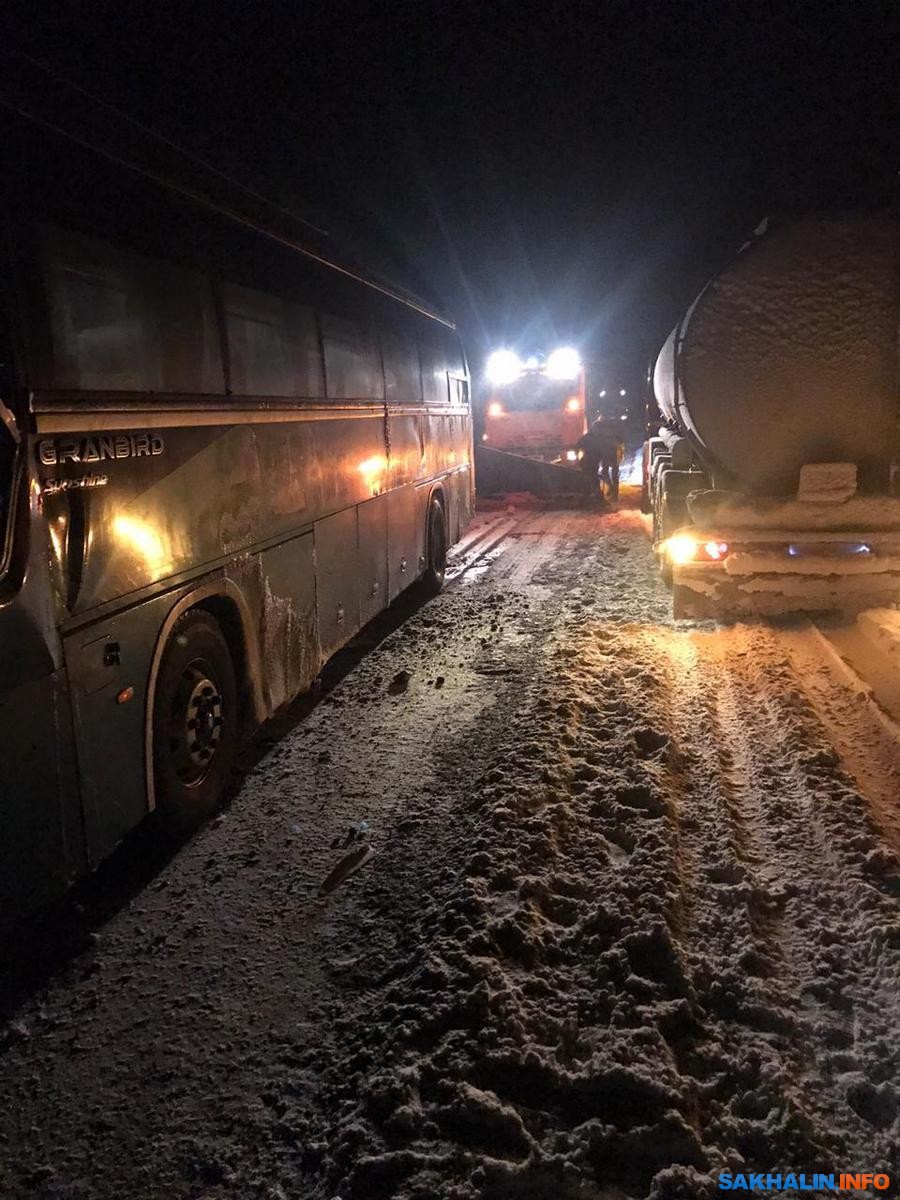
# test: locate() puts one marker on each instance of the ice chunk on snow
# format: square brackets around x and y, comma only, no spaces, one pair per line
[827,482]
[882,627]
[719,512]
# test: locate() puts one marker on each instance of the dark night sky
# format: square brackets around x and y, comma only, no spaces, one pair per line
[558,171]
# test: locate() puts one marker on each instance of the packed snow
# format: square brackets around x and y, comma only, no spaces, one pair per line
[632,918]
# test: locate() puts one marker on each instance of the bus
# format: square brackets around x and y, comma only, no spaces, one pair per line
[221,454]
[535,407]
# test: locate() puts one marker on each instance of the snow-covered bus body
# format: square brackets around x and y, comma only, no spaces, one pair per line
[771,477]
[220,457]
[535,408]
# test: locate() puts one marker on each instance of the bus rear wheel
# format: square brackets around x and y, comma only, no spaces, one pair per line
[194,723]
[436,570]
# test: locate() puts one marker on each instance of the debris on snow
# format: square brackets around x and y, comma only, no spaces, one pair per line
[350,863]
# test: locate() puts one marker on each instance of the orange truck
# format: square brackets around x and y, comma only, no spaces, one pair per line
[535,407]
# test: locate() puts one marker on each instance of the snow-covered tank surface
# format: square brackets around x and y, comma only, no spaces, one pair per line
[789,356]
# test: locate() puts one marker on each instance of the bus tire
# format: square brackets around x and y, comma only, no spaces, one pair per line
[195,723]
[436,570]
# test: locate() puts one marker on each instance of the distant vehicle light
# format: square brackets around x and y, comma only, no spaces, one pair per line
[484,437]
[495,409]
[715,550]
[573,404]
[531,362]
[681,548]
[602,393]
[624,417]
[502,367]
[571,456]
[563,363]
[622,392]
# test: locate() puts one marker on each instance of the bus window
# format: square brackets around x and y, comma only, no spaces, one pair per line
[459,390]
[99,318]
[352,366]
[257,356]
[303,331]
[189,335]
[436,361]
[402,376]
[273,346]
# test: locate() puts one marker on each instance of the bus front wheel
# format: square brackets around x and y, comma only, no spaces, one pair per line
[435,571]
[194,723]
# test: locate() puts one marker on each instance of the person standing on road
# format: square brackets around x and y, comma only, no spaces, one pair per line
[602,450]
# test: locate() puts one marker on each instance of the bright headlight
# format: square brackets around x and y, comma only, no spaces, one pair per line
[495,409]
[503,367]
[573,404]
[564,363]
[682,548]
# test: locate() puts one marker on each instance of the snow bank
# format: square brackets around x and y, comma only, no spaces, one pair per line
[882,627]
[726,511]
[826,483]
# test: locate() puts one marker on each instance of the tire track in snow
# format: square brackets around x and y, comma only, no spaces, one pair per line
[729,912]
[759,767]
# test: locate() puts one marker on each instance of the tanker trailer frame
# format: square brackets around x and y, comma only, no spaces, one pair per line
[770,481]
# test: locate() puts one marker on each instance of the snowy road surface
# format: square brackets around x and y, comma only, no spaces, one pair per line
[632,919]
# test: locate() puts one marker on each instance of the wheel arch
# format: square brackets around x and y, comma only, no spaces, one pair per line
[224,601]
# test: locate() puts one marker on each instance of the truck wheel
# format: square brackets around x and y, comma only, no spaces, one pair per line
[435,571]
[194,723]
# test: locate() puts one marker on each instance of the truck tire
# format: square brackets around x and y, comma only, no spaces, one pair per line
[195,723]
[432,581]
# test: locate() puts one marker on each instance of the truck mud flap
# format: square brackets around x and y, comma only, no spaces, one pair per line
[708,595]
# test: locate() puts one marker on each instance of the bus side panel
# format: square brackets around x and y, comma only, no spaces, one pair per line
[41,847]
[104,661]
[210,491]
[41,835]
[462,503]
[337,579]
[405,539]
[447,437]
[291,653]
[373,557]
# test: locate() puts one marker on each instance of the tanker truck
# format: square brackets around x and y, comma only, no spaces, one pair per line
[771,478]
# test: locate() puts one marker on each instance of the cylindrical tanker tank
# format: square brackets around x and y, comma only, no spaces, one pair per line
[789,357]
[773,487]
